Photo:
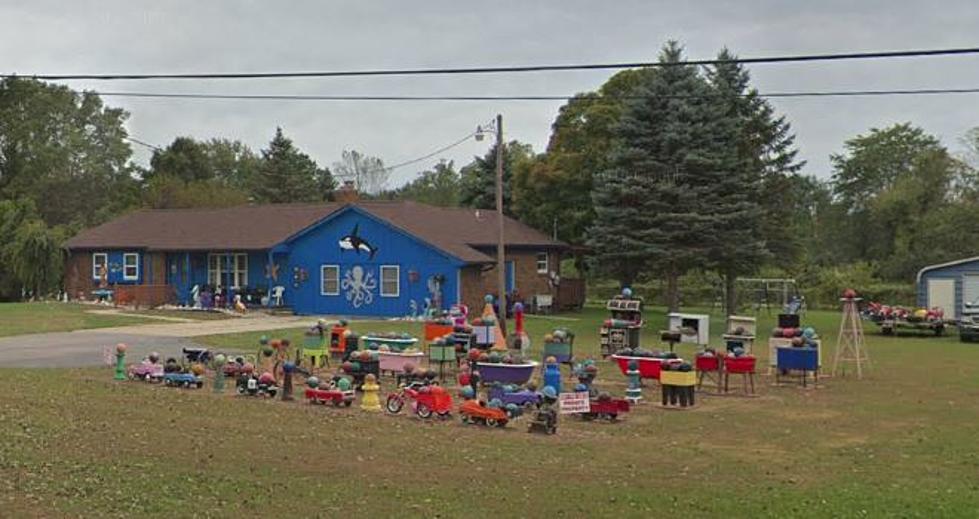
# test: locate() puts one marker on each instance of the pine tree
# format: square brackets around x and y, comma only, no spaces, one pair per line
[661,176]
[757,152]
[287,174]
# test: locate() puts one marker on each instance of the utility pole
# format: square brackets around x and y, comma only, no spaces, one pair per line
[501,243]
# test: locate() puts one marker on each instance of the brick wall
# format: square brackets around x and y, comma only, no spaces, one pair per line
[476,282]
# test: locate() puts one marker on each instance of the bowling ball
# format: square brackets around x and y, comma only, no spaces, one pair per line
[121,348]
[347,367]
[739,330]
[467,393]
[798,342]
[266,378]
[247,368]
[488,298]
[495,403]
[474,354]
[197,369]
[343,384]
[313,382]
[627,292]
[263,340]
[518,308]
[777,332]
[809,332]
[849,293]
[549,392]
[154,357]
[220,360]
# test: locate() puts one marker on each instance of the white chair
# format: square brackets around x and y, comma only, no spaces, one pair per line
[277,292]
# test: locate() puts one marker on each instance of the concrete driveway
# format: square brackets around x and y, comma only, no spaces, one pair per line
[84,347]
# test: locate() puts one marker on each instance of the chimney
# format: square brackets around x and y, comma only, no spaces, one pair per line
[347,194]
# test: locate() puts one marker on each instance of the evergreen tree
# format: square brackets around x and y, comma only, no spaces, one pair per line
[478,179]
[287,174]
[757,153]
[661,176]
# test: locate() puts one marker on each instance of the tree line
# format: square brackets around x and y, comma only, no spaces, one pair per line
[660,172]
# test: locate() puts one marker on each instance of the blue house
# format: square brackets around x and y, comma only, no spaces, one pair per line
[366,259]
[952,286]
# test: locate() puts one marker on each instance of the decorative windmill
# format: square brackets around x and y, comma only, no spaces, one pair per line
[850,346]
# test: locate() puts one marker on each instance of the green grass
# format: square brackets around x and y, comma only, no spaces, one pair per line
[22,318]
[899,443]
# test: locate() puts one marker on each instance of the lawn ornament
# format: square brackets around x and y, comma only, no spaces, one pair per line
[219,361]
[545,418]
[552,374]
[519,339]
[623,327]
[369,401]
[634,392]
[288,368]
[678,383]
[849,293]
[180,379]
[606,407]
[250,385]
[476,412]
[586,371]
[511,394]
[148,370]
[120,362]
[338,392]
[425,400]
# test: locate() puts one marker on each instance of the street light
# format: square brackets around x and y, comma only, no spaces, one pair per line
[497,127]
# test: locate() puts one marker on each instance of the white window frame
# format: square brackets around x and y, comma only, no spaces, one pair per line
[239,269]
[547,262]
[218,274]
[397,280]
[336,279]
[126,266]
[95,266]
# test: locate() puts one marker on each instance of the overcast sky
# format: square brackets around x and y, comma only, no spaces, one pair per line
[223,36]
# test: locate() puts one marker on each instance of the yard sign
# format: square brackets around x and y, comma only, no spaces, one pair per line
[574,403]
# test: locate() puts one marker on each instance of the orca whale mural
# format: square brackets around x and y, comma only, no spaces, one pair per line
[357,244]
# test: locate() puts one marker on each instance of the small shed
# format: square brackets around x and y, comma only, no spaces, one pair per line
[951,286]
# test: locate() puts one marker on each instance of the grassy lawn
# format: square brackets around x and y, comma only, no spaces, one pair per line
[21,318]
[901,442]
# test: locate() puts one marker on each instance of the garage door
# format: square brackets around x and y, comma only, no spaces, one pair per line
[941,293]
[970,293]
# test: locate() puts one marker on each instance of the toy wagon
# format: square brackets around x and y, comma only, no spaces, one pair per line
[336,396]
[608,408]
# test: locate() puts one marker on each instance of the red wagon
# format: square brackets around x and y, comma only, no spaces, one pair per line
[649,367]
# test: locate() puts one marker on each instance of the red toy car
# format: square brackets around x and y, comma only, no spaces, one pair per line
[476,412]
[322,396]
[606,408]
[425,400]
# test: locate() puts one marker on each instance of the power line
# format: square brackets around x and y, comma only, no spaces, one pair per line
[799,58]
[400,98]
[141,143]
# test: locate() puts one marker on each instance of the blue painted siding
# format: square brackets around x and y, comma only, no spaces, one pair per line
[418,263]
[115,274]
[956,272]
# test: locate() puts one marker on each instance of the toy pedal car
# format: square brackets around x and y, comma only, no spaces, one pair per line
[476,412]
[146,371]
[183,380]
[524,398]
[251,385]
[322,396]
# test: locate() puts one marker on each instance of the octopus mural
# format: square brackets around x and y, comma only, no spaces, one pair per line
[358,286]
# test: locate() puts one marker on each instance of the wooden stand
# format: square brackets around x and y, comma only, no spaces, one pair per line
[850,345]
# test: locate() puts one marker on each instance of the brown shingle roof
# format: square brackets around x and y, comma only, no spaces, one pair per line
[455,231]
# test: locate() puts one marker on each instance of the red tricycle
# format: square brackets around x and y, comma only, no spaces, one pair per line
[425,400]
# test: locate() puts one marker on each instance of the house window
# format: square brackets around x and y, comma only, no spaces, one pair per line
[542,263]
[130,266]
[217,269]
[240,273]
[330,280]
[100,260]
[390,281]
